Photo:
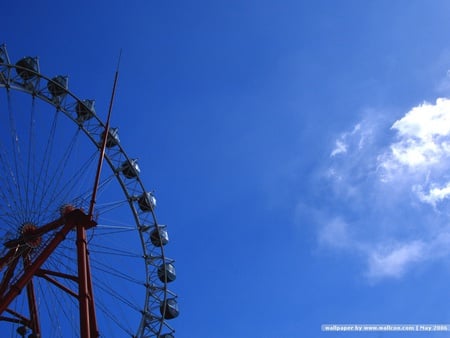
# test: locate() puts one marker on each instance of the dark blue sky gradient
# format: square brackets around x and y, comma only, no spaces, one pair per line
[232,108]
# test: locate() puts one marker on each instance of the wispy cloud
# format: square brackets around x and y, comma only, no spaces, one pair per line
[394,261]
[347,140]
[384,180]
[444,84]
[341,148]
[334,233]
[434,194]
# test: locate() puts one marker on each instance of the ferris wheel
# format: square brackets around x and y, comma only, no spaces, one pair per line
[75,261]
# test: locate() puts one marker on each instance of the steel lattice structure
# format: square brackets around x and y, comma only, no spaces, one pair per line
[38,227]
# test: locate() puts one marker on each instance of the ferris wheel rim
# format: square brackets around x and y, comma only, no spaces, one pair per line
[8,83]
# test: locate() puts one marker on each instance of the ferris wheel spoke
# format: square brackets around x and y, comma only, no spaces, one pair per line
[15,146]
[59,172]
[67,192]
[8,179]
[105,208]
[45,163]
[30,152]
[107,269]
[81,175]
[54,189]
[10,189]
[59,269]
[102,186]
[82,197]
[117,302]
[105,310]
[114,230]
[49,294]
[101,285]
[9,219]
[111,224]
[31,181]
[104,250]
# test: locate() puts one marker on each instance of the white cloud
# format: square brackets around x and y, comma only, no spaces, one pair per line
[341,148]
[426,121]
[434,194]
[393,262]
[346,140]
[335,234]
[423,138]
[385,185]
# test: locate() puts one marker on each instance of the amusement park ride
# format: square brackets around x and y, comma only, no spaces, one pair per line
[82,253]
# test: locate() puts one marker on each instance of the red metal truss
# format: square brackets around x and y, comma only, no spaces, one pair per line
[75,219]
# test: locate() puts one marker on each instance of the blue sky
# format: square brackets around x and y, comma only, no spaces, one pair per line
[299,151]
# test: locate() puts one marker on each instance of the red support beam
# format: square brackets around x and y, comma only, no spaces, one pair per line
[58,284]
[94,329]
[72,219]
[23,320]
[83,291]
[9,274]
[88,323]
[15,289]
[75,219]
[37,233]
[12,320]
[32,305]
[5,259]
[43,272]
[103,146]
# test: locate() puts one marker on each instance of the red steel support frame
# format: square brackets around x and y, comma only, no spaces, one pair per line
[83,292]
[15,289]
[88,323]
[75,219]
[82,222]
[93,317]
[32,305]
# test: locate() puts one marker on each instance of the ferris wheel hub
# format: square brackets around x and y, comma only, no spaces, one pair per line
[66,209]
[27,231]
